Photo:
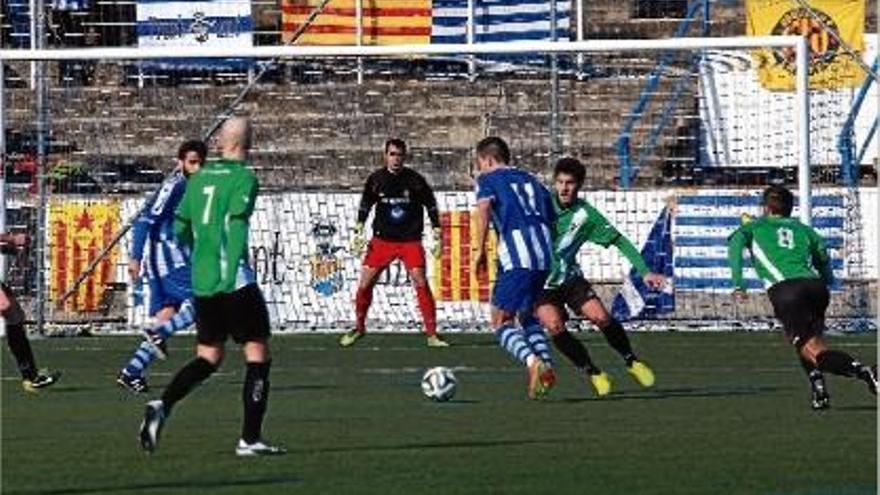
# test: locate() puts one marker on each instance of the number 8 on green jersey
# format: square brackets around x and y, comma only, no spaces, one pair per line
[782,249]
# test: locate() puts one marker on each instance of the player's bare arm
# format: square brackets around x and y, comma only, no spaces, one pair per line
[484,212]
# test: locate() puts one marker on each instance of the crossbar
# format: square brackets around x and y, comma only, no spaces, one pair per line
[404,50]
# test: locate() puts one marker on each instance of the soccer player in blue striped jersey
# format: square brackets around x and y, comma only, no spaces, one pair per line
[521,211]
[165,263]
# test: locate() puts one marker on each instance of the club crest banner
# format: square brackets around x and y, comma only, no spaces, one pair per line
[830,66]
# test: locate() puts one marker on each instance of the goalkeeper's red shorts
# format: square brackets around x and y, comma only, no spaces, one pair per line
[380,253]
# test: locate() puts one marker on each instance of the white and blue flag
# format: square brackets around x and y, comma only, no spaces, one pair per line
[173,24]
[635,299]
[501,21]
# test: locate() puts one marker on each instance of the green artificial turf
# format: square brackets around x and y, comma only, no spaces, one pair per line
[729,414]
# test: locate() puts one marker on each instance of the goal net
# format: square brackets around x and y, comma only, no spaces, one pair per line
[678,136]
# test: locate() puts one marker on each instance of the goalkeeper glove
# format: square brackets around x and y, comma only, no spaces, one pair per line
[357,240]
[437,249]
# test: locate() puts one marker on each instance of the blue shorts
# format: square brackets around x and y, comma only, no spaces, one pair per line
[517,290]
[170,290]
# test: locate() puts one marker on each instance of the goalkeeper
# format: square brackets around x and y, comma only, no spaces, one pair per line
[400,195]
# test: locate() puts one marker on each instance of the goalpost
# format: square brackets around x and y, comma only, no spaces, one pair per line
[301,231]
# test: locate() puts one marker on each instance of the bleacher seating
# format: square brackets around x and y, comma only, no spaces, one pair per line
[307,132]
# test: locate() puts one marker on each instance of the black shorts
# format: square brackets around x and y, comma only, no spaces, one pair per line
[573,293]
[14,314]
[800,305]
[241,314]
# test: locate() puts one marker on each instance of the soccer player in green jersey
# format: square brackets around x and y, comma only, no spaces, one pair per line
[579,222]
[213,217]
[792,260]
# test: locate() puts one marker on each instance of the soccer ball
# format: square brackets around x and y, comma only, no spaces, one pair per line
[439,384]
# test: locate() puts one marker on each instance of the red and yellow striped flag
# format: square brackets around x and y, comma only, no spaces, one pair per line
[454,278]
[78,231]
[385,22]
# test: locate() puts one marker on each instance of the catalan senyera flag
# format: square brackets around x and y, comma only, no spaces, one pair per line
[385,22]
[830,66]
[453,276]
[78,231]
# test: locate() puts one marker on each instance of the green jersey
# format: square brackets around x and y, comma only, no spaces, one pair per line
[213,217]
[782,248]
[576,224]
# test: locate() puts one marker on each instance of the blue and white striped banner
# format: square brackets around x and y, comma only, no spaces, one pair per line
[499,20]
[171,24]
[167,23]
[705,219]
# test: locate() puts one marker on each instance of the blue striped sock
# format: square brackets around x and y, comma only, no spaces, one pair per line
[535,337]
[140,361]
[537,340]
[512,341]
[185,317]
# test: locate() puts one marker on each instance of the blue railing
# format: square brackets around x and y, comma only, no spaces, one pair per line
[628,168]
[851,155]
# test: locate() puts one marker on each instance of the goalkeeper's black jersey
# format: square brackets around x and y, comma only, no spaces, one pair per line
[399,199]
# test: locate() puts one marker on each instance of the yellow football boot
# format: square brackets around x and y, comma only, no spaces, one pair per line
[601,383]
[349,338]
[642,373]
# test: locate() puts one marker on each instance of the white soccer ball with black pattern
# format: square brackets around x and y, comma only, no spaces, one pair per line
[439,384]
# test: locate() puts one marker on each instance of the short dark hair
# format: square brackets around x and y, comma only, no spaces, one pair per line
[571,166]
[196,145]
[778,200]
[397,143]
[495,147]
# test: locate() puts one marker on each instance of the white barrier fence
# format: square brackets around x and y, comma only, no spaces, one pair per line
[299,248]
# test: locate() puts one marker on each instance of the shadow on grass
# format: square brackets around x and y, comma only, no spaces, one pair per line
[450,403]
[848,490]
[183,486]
[854,408]
[64,389]
[300,388]
[471,444]
[670,393]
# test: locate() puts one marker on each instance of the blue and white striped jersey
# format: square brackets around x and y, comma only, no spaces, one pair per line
[523,216]
[155,224]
